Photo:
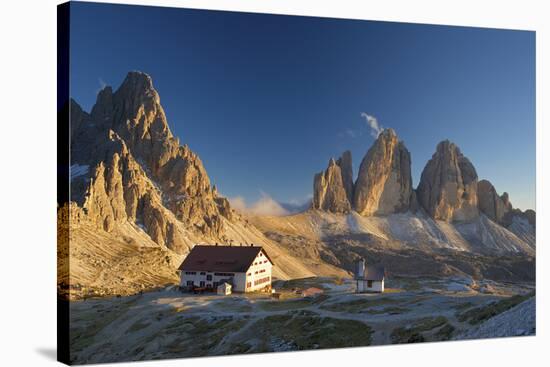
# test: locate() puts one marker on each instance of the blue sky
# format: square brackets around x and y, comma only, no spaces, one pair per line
[266,100]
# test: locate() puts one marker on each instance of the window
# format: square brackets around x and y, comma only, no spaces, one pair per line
[369,283]
[225,274]
[190,272]
[248,284]
[202,283]
[189,283]
[255,272]
[209,277]
[203,273]
[265,261]
[249,274]
[216,284]
[261,281]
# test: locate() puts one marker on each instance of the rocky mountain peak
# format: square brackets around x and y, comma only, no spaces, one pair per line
[102,111]
[446,146]
[329,192]
[345,164]
[388,133]
[500,210]
[384,183]
[489,202]
[140,172]
[139,85]
[506,200]
[448,185]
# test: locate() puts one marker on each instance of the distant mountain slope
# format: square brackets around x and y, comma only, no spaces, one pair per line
[404,230]
[413,243]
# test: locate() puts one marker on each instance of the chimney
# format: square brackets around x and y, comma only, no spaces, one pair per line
[360,269]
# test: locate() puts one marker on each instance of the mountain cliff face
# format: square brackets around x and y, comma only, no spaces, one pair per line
[448,185]
[329,191]
[490,203]
[448,190]
[384,183]
[344,162]
[449,200]
[500,210]
[139,171]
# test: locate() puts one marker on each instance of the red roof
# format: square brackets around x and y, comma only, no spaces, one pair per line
[236,259]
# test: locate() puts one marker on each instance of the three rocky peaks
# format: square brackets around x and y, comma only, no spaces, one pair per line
[448,190]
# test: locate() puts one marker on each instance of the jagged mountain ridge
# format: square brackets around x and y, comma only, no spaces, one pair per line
[383,185]
[128,136]
[448,191]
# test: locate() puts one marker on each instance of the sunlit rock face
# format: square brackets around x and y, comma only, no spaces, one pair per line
[138,171]
[384,184]
[329,189]
[448,185]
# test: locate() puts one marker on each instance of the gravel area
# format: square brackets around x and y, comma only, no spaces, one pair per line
[520,320]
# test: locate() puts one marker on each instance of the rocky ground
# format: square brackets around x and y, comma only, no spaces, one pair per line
[169,324]
[519,320]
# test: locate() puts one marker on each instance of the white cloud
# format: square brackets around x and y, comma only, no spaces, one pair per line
[102,85]
[298,205]
[238,203]
[375,128]
[351,133]
[265,205]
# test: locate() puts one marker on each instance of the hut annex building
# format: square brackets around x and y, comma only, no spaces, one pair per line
[245,268]
[369,278]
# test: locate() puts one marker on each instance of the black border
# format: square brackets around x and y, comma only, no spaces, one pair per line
[63,114]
